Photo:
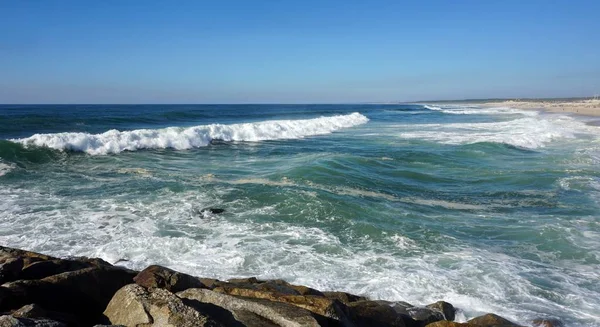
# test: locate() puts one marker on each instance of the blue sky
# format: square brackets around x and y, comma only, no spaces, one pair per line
[296,51]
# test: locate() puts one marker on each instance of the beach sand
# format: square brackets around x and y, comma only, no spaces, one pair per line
[589,107]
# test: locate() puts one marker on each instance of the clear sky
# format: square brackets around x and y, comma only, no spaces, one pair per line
[306,51]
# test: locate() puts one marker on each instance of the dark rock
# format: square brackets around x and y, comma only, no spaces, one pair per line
[445,308]
[35,311]
[134,305]
[491,319]
[248,312]
[250,280]
[10,253]
[10,321]
[212,210]
[276,286]
[344,297]
[425,316]
[10,269]
[83,293]
[171,280]
[374,313]
[547,323]
[211,283]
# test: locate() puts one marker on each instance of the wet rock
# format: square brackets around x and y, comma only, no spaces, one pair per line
[10,321]
[248,312]
[83,293]
[375,313]
[171,280]
[249,280]
[445,308]
[134,305]
[425,316]
[212,210]
[547,323]
[344,297]
[10,269]
[491,319]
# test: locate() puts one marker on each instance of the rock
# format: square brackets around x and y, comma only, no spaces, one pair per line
[446,323]
[344,297]
[374,313]
[35,311]
[162,277]
[276,286]
[425,316]
[10,269]
[445,308]
[210,283]
[83,293]
[10,321]
[547,323]
[491,319]
[134,305]
[10,253]
[212,210]
[318,304]
[248,312]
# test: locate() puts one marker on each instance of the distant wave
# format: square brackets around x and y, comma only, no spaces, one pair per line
[181,138]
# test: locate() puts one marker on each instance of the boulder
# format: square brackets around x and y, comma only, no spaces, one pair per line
[35,311]
[320,305]
[171,280]
[10,321]
[541,322]
[446,323]
[491,319]
[276,286]
[425,316]
[248,312]
[10,269]
[445,308]
[344,297]
[83,293]
[134,305]
[375,313]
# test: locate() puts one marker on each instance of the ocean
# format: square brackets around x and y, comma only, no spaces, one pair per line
[491,209]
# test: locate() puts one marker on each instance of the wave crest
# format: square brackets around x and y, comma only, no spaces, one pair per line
[181,138]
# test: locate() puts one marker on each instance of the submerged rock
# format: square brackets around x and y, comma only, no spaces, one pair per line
[212,210]
[134,305]
[171,280]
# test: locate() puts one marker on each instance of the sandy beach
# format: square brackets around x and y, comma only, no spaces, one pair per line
[588,107]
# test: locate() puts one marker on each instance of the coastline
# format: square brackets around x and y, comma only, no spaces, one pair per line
[589,107]
[40,290]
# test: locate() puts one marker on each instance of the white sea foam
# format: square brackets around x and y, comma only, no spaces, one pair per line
[526,132]
[166,232]
[179,138]
[5,168]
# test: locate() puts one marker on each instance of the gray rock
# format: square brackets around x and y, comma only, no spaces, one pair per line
[133,305]
[10,321]
[249,312]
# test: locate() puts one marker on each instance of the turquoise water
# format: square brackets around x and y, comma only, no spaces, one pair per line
[491,209]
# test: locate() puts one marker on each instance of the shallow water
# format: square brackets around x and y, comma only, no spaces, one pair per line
[494,210]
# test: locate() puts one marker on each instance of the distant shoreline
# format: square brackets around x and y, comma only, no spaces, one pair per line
[579,106]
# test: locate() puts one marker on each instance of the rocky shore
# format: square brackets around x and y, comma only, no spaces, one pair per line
[43,291]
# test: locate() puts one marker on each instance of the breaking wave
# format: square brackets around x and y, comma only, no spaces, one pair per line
[181,138]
